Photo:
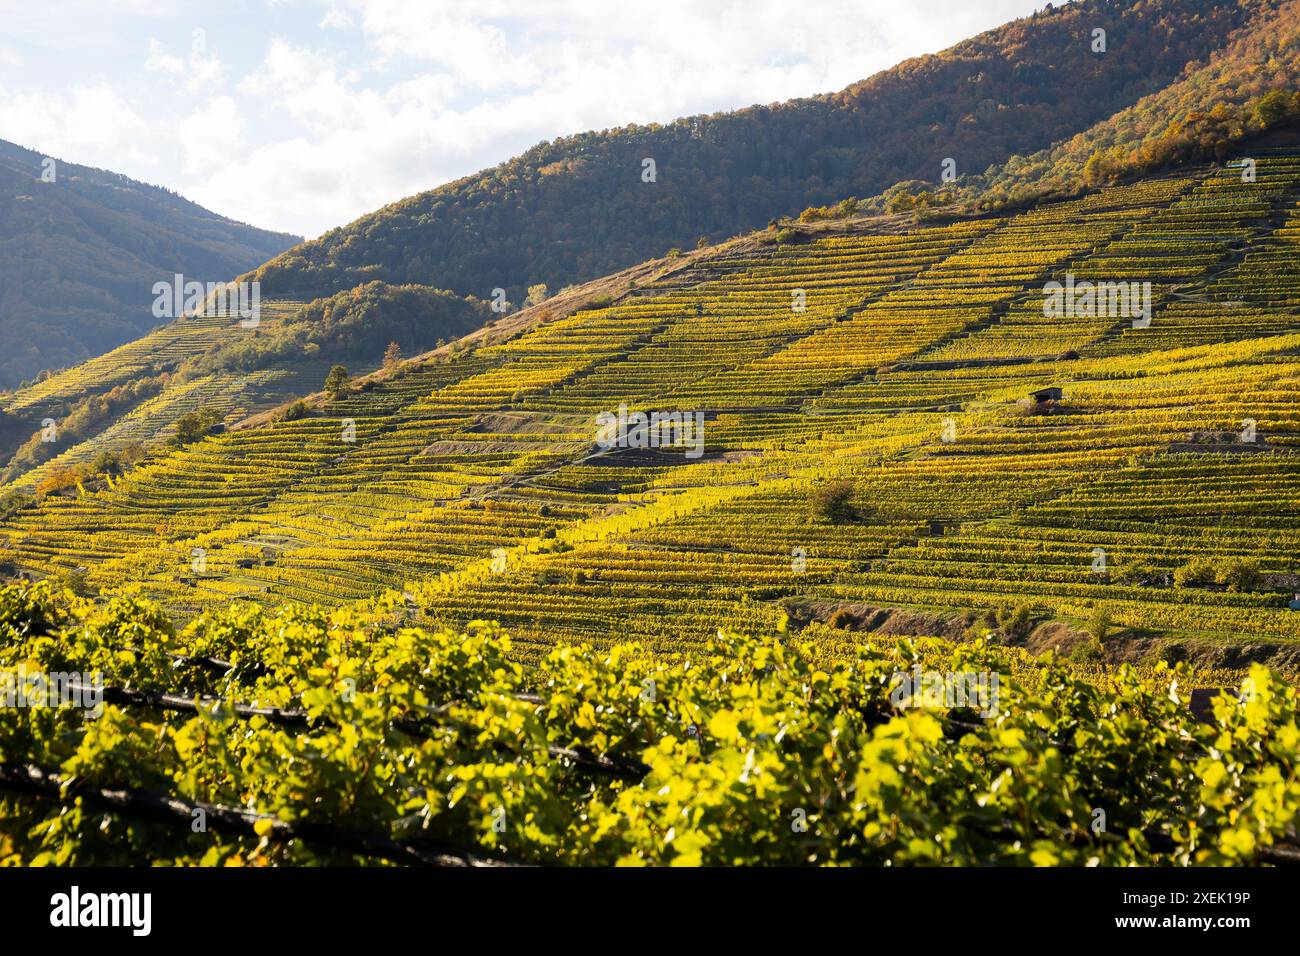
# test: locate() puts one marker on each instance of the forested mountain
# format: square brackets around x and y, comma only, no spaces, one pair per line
[81,248]
[1248,87]
[578,207]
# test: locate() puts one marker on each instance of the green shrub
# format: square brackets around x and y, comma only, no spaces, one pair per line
[1198,571]
[1137,573]
[192,426]
[1238,574]
[1006,622]
[1015,622]
[1090,651]
[842,619]
[833,502]
[297,410]
[1099,622]
[338,383]
[749,732]
[11,502]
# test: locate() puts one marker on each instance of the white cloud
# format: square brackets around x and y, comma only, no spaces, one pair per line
[308,88]
[200,71]
[205,70]
[337,20]
[211,134]
[91,125]
[160,61]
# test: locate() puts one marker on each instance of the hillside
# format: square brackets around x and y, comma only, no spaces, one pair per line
[873,460]
[577,207]
[1177,83]
[79,257]
[129,400]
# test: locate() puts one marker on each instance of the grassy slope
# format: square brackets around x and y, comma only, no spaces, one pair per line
[473,483]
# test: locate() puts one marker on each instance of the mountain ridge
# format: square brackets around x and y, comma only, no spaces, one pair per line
[552,214]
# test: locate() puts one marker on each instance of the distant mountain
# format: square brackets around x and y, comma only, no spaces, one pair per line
[79,256]
[578,207]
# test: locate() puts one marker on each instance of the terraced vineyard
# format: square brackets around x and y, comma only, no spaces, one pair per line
[234,395]
[469,485]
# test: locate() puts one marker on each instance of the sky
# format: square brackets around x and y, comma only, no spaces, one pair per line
[301,115]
